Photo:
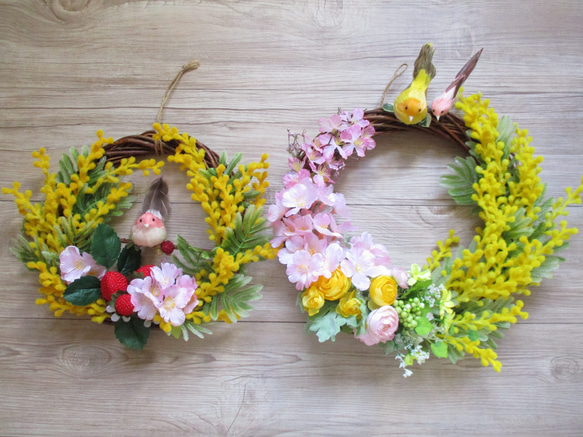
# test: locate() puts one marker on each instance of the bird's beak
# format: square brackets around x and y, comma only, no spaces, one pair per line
[437,117]
[410,118]
[147,225]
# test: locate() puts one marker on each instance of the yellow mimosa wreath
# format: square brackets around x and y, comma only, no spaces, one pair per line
[460,300]
[86,269]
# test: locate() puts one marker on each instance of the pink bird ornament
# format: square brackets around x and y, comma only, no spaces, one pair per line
[441,105]
[149,230]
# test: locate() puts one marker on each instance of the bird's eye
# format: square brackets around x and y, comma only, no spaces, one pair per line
[153,219]
[141,220]
[406,107]
[419,109]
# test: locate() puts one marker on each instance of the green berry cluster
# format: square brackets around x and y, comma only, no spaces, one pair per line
[408,311]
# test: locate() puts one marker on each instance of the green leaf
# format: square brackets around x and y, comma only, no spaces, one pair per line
[105,246]
[197,330]
[236,159]
[546,269]
[176,331]
[129,259]
[327,325]
[132,334]
[439,349]
[83,291]
[388,107]
[460,185]
[426,122]
[424,326]
[473,335]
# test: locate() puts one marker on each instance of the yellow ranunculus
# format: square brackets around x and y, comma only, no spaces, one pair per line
[334,287]
[312,300]
[383,290]
[349,305]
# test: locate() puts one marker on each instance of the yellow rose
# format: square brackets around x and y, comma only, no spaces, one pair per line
[312,300]
[349,305]
[383,290]
[334,287]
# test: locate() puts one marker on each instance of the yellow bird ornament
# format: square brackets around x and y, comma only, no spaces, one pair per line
[411,105]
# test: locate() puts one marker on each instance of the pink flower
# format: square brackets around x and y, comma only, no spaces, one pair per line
[166,274]
[330,124]
[166,292]
[175,300]
[74,265]
[333,256]
[292,178]
[381,325]
[325,224]
[292,245]
[143,300]
[366,242]
[329,147]
[298,197]
[401,276]
[354,118]
[360,266]
[277,210]
[357,139]
[304,268]
[337,202]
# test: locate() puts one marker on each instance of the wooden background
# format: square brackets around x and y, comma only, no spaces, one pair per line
[70,67]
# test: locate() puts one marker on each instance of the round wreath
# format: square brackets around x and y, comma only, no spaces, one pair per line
[86,269]
[459,301]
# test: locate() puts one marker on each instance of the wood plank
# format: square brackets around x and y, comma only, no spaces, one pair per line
[71,67]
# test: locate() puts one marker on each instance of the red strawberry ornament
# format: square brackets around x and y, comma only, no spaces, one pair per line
[111,283]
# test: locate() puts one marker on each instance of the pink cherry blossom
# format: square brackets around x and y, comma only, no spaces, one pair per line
[360,266]
[333,256]
[277,210]
[166,274]
[365,242]
[354,118]
[325,224]
[357,139]
[401,276]
[381,325]
[304,268]
[330,146]
[172,307]
[293,177]
[292,245]
[143,300]
[167,292]
[330,124]
[74,265]
[298,197]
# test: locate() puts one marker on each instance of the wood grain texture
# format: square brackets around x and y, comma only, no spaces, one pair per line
[71,67]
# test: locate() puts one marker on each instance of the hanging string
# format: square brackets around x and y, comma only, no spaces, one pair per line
[397,74]
[191,66]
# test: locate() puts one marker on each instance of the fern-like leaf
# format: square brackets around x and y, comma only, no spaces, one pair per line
[460,184]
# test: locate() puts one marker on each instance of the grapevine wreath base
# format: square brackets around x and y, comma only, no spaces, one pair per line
[460,300]
[86,269]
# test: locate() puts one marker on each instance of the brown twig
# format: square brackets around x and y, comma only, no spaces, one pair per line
[144,144]
[449,126]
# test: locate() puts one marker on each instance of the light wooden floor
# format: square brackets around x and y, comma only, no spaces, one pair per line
[71,67]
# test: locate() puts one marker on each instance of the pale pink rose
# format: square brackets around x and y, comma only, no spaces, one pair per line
[381,325]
